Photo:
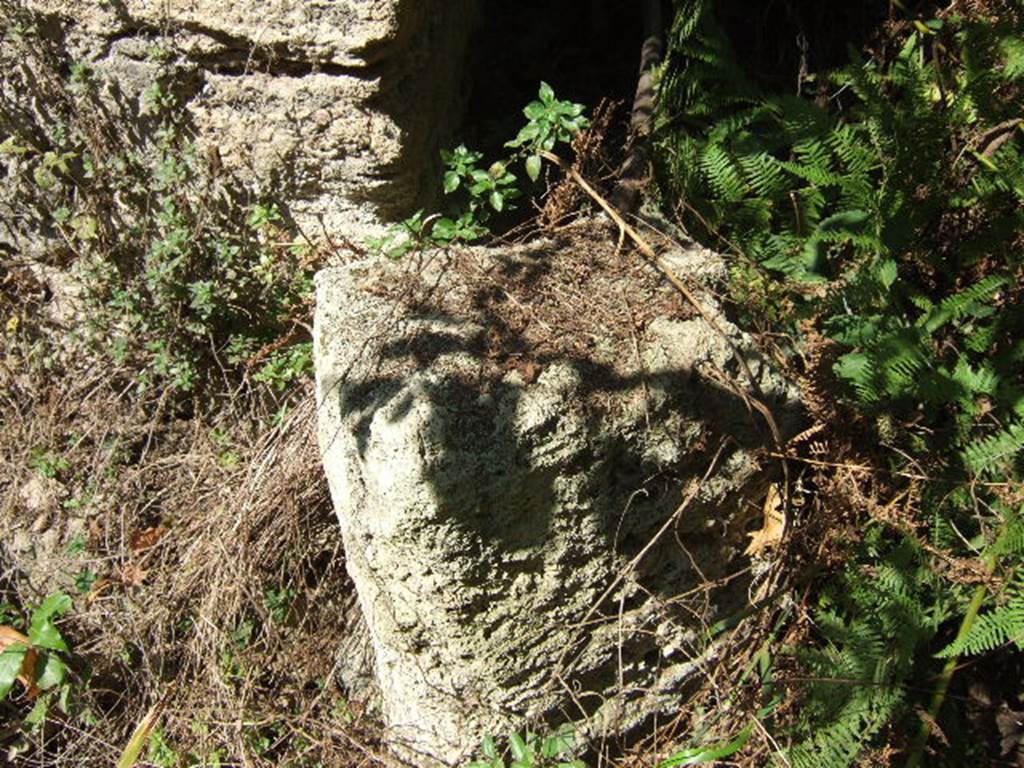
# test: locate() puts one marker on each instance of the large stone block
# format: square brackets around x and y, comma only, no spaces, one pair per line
[500,461]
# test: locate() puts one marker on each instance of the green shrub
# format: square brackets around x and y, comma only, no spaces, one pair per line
[183,267]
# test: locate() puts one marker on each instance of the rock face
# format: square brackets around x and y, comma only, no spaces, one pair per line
[338,108]
[510,472]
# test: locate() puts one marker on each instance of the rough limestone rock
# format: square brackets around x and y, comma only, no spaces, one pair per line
[505,434]
[337,108]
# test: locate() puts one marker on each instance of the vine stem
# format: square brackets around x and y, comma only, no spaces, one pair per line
[946,676]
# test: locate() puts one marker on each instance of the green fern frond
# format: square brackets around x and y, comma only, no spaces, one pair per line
[982,380]
[722,173]
[969,301]
[849,145]
[1004,624]
[990,453]
[1011,542]
[764,175]
[848,733]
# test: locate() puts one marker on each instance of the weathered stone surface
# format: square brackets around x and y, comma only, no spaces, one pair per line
[336,108]
[493,513]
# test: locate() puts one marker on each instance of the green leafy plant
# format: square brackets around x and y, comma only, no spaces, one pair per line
[485,191]
[550,122]
[284,367]
[528,750]
[174,277]
[47,463]
[85,580]
[709,753]
[160,752]
[279,603]
[45,648]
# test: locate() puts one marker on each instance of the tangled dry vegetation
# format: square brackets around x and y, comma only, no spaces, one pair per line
[206,566]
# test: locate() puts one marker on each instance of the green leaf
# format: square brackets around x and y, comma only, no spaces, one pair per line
[533,165]
[451,182]
[1013,56]
[64,697]
[38,713]
[843,223]
[42,632]
[50,671]
[86,227]
[10,666]
[497,201]
[535,110]
[56,604]
[490,749]
[546,93]
[444,229]
[527,134]
[10,147]
[518,747]
[711,753]
[559,743]
[887,273]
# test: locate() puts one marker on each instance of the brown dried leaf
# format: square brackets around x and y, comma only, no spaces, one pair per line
[147,537]
[774,524]
[132,575]
[10,636]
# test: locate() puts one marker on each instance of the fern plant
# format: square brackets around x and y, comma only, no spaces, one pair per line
[883,209]
[1002,625]
[872,620]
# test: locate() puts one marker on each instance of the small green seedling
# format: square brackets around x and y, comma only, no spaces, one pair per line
[488,190]
[551,121]
[47,463]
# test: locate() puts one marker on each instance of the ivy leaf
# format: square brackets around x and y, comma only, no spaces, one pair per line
[50,671]
[533,167]
[43,633]
[11,659]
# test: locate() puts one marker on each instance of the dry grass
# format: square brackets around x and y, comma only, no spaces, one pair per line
[220,586]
